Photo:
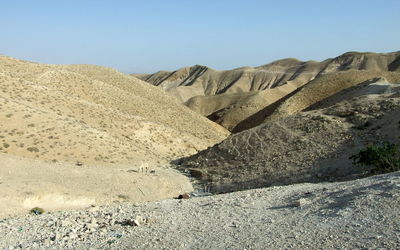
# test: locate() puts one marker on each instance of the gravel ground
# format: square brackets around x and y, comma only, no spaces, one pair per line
[354,214]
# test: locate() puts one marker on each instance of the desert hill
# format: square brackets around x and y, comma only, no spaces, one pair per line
[301,98]
[199,80]
[93,114]
[79,135]
[309,146]
[74,136]
[232,96]
[233,111]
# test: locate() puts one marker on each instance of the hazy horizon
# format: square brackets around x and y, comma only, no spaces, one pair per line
[144,37]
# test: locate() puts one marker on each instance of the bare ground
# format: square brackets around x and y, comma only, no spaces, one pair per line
[345,215]
[310,146]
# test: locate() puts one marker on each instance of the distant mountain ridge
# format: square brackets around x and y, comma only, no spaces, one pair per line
[199,80]
[232,96]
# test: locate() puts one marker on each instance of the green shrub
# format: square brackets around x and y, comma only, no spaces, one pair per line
[33,149]
[382,158]
[37,210]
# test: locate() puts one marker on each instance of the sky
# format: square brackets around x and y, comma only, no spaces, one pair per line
[147,36]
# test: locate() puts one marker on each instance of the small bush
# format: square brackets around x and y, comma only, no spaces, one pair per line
[382,158]
[33,149]
[37,211]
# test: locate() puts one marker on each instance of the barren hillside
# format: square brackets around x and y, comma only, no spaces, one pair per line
[309,146]
[93,114]
[203,81]
[326,86]
[235,98]
[78,135]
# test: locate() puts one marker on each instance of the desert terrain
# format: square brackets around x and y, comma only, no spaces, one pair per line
[240,98]
[75,135]
[310,146]
[259,155]
[355,214]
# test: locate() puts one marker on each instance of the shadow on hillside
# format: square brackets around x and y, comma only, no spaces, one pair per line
[336,166]
[348,94]
[260,116]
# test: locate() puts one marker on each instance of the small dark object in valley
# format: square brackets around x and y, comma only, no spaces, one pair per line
[183,196]
[37,211]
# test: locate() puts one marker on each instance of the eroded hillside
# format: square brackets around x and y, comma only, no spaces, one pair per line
[310,146]
[235,98]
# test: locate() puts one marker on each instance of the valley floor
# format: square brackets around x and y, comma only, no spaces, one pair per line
[27,183]
[344,215]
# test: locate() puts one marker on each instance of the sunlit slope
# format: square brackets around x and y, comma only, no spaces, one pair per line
[93,114]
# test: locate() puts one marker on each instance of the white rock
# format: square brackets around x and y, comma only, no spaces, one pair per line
[139,220]
[300,202]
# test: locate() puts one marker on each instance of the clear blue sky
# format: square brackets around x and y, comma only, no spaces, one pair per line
[150,35]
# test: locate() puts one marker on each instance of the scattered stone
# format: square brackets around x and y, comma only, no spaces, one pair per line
[66,223]
[129,223]
[251,210]
[46,242]
[138,221]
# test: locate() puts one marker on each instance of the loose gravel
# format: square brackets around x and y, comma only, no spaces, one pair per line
[355,214]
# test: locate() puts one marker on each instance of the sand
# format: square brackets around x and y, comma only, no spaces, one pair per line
[27,183]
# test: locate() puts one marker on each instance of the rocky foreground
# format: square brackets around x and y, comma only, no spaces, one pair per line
[355,214]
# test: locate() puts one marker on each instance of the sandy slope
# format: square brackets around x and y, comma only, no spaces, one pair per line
[93,115]
[328,85]
[306,146]
[301,98]
[237,116]
[73,135]
[347,215]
